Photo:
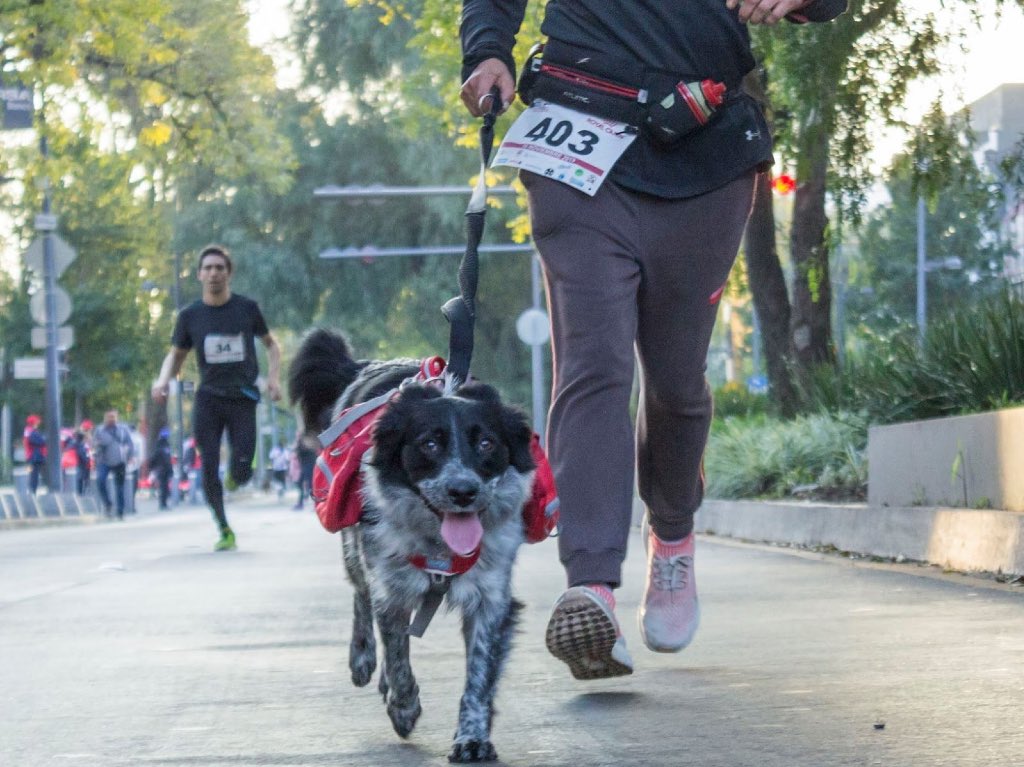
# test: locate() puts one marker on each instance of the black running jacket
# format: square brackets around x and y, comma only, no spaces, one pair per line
[694,38]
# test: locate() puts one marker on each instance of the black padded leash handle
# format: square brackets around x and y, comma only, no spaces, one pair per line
[460,311]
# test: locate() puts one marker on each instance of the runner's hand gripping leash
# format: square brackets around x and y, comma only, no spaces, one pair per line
[460,311]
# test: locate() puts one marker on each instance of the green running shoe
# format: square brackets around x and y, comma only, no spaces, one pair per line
[226,542]
[229,483]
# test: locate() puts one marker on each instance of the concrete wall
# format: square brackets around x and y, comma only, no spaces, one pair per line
[958,539]
[971,461]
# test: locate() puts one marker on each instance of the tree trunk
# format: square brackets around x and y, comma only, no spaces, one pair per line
[812,293]
[771,301]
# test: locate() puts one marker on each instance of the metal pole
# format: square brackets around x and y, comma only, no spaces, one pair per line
[53,414]
[536,358]
[921,268]
[843,273]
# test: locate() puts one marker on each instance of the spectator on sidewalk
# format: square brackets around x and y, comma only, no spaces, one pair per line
[162,466]
[68,461]
[307,448]
[84,455]
[280,456]
[134,472]
[114,449]
[34,442]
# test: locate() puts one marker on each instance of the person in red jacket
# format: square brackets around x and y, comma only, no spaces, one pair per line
[34,442]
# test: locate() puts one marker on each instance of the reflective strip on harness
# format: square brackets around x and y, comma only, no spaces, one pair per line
[350,416]
[325,468]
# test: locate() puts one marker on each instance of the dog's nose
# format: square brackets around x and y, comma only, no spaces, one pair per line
[463,493]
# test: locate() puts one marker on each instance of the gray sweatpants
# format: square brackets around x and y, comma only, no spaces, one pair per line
[630,277]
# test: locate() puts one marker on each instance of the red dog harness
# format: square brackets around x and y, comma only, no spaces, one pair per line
[338,477]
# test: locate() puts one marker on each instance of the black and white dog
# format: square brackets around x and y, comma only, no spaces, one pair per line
[446,477]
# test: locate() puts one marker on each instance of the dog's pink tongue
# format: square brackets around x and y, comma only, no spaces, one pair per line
[462,532]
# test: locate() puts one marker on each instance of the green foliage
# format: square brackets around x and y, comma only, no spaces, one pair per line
[121,241]
[813,456]
[733,399]
[972,361]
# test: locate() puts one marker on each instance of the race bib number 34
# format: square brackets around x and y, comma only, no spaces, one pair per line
[565,145]
[222,348]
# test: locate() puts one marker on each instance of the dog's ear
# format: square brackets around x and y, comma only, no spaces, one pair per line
[518,435]
[480,392]
[515,426]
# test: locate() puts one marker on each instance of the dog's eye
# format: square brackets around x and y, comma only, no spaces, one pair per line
[430,446]
[485,445]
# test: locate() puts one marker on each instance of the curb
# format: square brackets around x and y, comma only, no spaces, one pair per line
[971,540]
[21,510]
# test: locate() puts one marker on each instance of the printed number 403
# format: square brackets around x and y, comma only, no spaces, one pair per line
[560,132]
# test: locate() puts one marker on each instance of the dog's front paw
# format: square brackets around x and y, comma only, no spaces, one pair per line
[362,661]
[403,718]
[473,751]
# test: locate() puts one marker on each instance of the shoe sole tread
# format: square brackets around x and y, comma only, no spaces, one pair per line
[581,635]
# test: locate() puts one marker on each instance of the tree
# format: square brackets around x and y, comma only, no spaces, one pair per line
[832,87]
[129,103]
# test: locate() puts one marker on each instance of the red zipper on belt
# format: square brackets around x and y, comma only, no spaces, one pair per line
[571,75]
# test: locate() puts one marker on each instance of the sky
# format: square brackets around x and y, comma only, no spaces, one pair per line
[995,54]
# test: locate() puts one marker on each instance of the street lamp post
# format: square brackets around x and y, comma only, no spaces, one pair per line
[924,265]
[921,265]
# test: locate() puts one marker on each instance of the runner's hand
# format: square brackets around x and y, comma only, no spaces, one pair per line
[765,11]
[476,91]
[274,390]
[159,392]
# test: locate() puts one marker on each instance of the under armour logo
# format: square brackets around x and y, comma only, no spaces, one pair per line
[753,134]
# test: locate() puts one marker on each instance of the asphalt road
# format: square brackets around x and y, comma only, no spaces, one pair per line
[133,644]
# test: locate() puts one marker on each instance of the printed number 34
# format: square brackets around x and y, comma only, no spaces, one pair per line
[560,132]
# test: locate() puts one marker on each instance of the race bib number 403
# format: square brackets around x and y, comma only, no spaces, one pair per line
[565,145]
[219,349]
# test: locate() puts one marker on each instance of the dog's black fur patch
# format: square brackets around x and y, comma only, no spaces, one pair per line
[463,457]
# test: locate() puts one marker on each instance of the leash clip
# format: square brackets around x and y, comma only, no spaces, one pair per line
[431,601]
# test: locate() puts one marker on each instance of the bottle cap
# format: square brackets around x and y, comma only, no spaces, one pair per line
[714,93]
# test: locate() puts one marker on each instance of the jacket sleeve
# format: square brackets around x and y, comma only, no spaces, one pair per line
[818,10]
[488,31]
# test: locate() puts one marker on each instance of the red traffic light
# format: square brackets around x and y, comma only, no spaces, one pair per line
[783,184]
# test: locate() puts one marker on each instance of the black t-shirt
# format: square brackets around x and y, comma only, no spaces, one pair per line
[224,340]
